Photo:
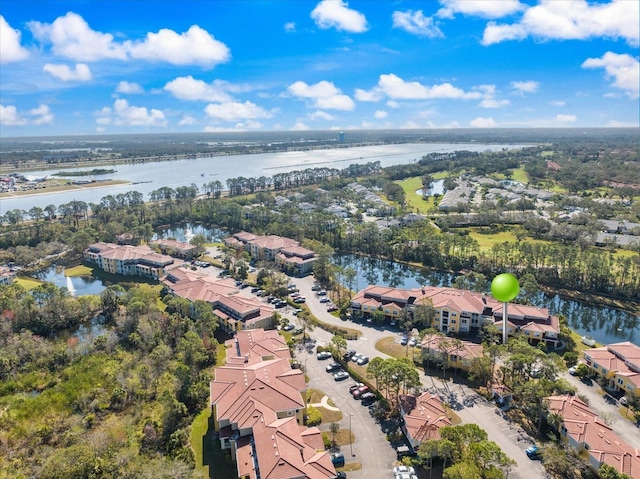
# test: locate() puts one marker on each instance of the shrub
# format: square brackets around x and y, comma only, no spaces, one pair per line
[313,416]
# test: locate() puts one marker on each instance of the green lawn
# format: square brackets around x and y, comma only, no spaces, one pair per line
[486,240]
[209,457]
[28,283]
[520,175]
[80,270]
[414,200]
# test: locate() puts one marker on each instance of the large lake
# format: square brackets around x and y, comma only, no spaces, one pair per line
[153,175]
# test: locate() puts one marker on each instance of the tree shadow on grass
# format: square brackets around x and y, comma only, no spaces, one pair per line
[221,466]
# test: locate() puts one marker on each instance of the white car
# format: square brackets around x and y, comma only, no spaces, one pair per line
[404,470]
[413,342]
[573,370]
[405,475]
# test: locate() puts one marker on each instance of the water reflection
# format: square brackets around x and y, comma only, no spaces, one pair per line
[76,285]
[606,325]
[187,231]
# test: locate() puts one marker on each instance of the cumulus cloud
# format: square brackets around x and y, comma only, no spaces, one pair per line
[129,88]
[522,87]
[380,114]
[324,95]
[489,99]
[194,47]
[394,87]
[234,111]
[483,123]
[623,69]
[571,20]
[123,114]
[320,115]
[566,118]
[188,88]
[371,95]
[9,116]
[336,14]
[479,8]
[299,126]
[81,72]
[71,36]
[10,48]
[416,23]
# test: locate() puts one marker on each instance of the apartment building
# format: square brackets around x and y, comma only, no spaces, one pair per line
[177,249]
[619,363]
[258,408]
[6,275]
[458,354]
[130,260]
[285,252]
[582,429]
[457,311]
[234,312]
[422,417]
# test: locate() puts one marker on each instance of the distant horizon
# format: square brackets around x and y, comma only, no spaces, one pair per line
[309,134]
[118,67]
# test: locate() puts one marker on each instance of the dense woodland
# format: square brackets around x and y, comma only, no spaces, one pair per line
[76,404]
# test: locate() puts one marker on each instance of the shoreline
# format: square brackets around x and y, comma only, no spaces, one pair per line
[62,189]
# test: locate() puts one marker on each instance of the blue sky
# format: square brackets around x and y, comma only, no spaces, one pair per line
[112,66]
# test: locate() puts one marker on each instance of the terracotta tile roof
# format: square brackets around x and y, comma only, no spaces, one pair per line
[585,427]
[462,349]
[179,245]
[257,344]
[423,415]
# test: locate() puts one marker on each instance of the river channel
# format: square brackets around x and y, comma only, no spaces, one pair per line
[146,177]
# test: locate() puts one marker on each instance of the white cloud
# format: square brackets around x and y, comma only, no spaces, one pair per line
[41,115]
[336,14]
[71,37]
[299,126]
[480,8]
[571,20]
[371,95]
[63,72]
[320,115]
[128,87]
[416,23]
[123,114]
[10,48]
[290,27]
[522,87]
[380,114]
[187,120]
[194,47]
[566,118]
[482,123]
[558,103]
[623,124]
[9,116]
[188,88]
[393,104]
[623,69]
[395,87]
[489,99]
[324,94]
[234,111]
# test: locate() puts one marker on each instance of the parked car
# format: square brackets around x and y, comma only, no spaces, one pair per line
[405,475]
[623,401]
[573,370]
[393,323]
[355,386]
[299,300]
[404,341]
[315,287]
[363,360]
[337,458]
[333,367]
[289,327]
[534,453]
[348,353]
[331,308]
[298,331]
[367,399]
[322,292]
[404,469]
[340,376]
[356,356]
[325,300]
[413,342]
[340,475]
[359,392]
[323,355]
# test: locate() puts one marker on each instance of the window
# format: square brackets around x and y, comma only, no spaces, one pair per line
[445,314]
[464,321]
[453,321]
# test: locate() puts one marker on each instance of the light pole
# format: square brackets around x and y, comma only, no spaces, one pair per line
[350,437]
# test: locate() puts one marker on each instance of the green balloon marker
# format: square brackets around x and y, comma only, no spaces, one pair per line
[505,288]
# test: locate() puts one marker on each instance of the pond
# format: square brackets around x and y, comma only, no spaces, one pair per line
[605,325]
[77,285]
[186,232]
[437,188]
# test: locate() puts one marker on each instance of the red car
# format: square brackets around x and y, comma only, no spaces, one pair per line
[359,392]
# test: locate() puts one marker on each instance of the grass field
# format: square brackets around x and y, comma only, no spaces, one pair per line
[390,347]
[415,201]
[486,240]
[80,270]
[207,451]
[28,283]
